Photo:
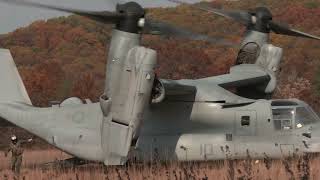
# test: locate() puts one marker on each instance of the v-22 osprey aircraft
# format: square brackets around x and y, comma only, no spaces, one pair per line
[142,116]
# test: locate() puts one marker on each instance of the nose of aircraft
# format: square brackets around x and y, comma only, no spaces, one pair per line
[315,129]
[313,143]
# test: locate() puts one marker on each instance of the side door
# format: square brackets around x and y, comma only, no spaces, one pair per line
[245,132]
[283,119]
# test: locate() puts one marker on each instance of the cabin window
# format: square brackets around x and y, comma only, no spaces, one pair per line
[228,137]
[245,120]
[282,118]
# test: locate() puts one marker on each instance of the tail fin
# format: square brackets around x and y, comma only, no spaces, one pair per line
[11,86]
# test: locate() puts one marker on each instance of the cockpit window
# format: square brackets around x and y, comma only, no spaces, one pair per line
[282,113]
[304,117]
[292,114]
[283,118]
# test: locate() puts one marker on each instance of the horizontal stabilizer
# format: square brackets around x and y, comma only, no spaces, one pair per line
[11,86]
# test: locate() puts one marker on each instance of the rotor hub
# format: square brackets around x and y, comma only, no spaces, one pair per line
[263,13]
[133,15]
[130,9]
[261,18]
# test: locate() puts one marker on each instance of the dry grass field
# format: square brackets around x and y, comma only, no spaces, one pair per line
[298,168]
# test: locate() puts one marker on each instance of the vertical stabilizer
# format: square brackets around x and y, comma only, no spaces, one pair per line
[11,86]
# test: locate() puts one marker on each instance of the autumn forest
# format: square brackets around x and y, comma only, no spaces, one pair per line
[66,56]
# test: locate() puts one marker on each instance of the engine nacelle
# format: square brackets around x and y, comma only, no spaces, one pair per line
[123,112]
[269,59]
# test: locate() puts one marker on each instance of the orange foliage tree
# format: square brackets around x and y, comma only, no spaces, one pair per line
[85,87]
[42,82]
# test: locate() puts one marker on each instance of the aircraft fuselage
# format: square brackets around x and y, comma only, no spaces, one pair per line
[192,131]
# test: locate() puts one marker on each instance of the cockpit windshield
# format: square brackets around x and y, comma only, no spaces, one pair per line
[304,116]
[292,114]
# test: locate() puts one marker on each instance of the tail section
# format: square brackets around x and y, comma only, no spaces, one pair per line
[12,88]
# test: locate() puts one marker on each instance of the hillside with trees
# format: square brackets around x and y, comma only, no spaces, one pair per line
[66,56]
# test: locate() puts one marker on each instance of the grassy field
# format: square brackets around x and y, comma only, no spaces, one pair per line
[298,168]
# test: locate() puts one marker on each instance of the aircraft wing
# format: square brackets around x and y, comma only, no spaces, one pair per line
[239,76]
[173,87]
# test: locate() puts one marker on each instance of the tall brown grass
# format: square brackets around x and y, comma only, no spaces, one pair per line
[295,168]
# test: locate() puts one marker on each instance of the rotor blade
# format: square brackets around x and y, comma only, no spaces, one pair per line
[285,30]
[239,16]
[102,16]
[161,28]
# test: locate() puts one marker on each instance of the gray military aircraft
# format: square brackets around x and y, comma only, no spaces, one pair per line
[142,116]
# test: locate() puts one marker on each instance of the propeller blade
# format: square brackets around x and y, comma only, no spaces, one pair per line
[102,16]
[161,28]
[285,30]
[150,26]
[239,16]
